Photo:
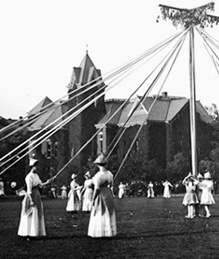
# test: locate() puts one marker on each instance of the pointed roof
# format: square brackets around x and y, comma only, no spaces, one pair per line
[54,112]
[3,122]
[85,73]
[86,65]
[39,107]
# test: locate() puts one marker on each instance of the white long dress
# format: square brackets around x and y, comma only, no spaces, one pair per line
[2,192]
[87,196]
[32,217]
[121,191]
[103,216]
[63,192]
[166,193]
[73,203]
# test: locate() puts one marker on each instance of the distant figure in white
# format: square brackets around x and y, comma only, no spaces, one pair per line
[166,193]
[121,192]
[64,192]
[2,190]
[87,193]
[150,190]
[73,204]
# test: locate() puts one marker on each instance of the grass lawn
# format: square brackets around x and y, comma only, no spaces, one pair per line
[147,228]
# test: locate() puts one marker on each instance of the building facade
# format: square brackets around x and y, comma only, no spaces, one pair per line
[109,126]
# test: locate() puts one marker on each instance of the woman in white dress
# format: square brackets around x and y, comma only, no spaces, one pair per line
[63,192]
[150,190]
[32,222]
[103,216]
[87,193]
[2,191]
[73,204]
[207,198]
[167,185]
[121,193]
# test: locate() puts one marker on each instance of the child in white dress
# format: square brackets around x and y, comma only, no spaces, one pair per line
[207,198]
[190,198]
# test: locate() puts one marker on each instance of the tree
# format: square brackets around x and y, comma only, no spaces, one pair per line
[213,112]
[178,168]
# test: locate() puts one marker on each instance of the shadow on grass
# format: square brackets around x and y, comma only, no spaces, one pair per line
[119,236]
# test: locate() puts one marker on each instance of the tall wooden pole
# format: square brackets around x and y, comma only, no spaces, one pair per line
[192,102]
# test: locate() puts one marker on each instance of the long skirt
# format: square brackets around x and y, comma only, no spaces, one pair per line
[103,216]
[207,198]
[190,198]
[73,203]
[64,194]
[121,193]
[166,193]
[87,199]
[32,221]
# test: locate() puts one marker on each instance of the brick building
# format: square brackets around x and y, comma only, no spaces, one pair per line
[165,132]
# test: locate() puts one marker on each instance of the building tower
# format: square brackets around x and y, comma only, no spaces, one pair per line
[85,85]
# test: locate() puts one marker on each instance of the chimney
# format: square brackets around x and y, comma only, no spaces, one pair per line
[164,94]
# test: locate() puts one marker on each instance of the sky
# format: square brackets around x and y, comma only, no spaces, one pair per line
[41,41]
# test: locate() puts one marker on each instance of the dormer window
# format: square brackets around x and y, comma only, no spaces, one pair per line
[137,107]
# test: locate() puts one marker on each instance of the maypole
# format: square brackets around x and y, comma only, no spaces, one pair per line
[189,18]
[192,102]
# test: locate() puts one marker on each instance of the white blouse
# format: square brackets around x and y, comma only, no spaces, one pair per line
[32,180]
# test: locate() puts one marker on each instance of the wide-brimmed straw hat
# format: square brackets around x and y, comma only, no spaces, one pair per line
[87,174]
[32,161]
[73,176]
[207,175]
[199,176]
[100,160]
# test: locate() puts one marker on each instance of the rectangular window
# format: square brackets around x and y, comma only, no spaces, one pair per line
[100,141]
[49,148]
[56,149]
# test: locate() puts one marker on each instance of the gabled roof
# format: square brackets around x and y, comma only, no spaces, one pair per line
[111,107]
[164,109]
[39,107]
[203,113]
[50,116]
[3,122]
